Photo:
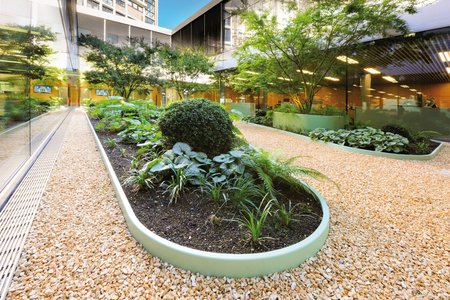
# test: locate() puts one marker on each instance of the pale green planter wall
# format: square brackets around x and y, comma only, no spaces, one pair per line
[302,122]
[247,109]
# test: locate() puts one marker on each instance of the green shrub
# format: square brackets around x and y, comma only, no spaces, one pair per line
[266,119]
[287,108]
[202,124]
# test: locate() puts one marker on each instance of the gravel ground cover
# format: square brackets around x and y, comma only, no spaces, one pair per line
[389,233]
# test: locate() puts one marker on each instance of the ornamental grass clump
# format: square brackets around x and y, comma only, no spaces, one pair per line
[202,124]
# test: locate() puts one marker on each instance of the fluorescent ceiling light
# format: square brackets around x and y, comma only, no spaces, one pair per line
[251,72]
[305,72]
[348,60]
[390,79]
[444,56]
[405,86]
[372,71]
[331,78]
[285,79]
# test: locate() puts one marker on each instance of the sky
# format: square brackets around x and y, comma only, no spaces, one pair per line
[173,12]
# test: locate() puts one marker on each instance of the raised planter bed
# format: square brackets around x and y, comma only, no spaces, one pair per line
[303,122]
[363,151]
[213,263]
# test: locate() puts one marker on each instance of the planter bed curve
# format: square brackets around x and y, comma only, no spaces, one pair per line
[363,151]
[212,263]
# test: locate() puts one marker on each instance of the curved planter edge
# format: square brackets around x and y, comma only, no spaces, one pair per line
[363,151]
[212,263]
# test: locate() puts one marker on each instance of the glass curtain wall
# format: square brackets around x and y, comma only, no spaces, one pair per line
[33,75]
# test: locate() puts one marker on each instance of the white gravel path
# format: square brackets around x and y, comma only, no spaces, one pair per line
[389,233]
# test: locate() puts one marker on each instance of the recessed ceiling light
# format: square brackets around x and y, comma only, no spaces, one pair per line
[331,78]
[413,90]
[371,89]
[390,79]
[405,86]
[347,59]
[444,56]
[372,71]
[381,92]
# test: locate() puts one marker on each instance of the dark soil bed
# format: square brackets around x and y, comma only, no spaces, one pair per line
[198,222]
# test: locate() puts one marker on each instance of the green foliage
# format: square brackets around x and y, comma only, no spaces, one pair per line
[141,178]
[273,173]
[110,143]
[292,57]
[287,108]
[216,191]
[364,138]
[177,184]
[183,69]
[244,191]
[266,120]
[25,50]
[328,110]
[286,213]
[228,165]
[202,124]
[254,220]
[124,69]
[397,129]
[19,108]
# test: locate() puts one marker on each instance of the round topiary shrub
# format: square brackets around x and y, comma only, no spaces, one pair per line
[202,124]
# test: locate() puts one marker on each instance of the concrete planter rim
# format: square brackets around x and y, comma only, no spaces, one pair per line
[144,235]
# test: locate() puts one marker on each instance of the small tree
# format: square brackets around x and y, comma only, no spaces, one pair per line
[124,69]
[294,59]
[182,69]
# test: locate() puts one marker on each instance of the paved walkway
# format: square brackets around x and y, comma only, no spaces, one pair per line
[389,233]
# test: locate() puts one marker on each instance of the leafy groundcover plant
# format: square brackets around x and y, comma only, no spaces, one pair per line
[393,139]
[239,201]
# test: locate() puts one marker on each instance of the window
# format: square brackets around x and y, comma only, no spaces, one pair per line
[107,9]
[112,38]
[120,3]
[109,2]
[92,4]
[227,36]
[135,6]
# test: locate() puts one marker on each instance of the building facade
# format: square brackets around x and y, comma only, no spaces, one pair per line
[145,11]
